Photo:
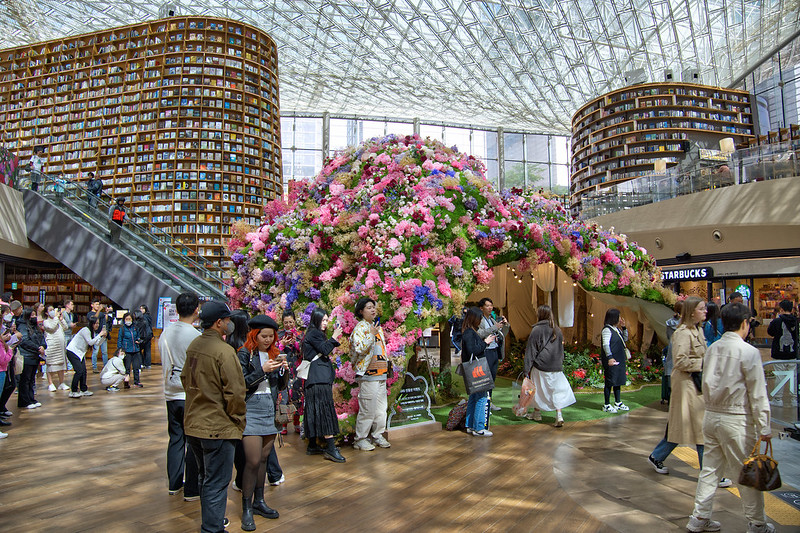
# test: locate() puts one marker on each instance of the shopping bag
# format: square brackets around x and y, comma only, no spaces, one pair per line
[477,375]
[760,471]
[525,396]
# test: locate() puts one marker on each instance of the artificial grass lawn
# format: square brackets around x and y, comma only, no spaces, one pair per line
[588,407]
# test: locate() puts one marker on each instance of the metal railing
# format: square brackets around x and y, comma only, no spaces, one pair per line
[759,163]
[180,262]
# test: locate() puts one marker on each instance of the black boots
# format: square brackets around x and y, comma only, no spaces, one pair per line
[248,524]
[331,452]
[260,507]
[313,447]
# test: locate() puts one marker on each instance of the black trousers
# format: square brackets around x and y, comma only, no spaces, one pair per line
[147,359]
[214,465]
[79,365]
[27,381]
[133,360]
[8,387]
[180,456]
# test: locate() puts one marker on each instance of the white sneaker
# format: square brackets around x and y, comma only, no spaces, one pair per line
[482,433]
[622,407]
[381,441]
[31,406]
[52,388]
[608,408]
[761,528]
[276,483]
[535,416]
[63,386]
[38,404]
[87,393]
[364,445]
[698,525]
[3,435]
[725,483]
[495,407]
[75,395]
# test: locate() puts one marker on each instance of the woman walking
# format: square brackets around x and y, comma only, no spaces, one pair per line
[76,352]
[614,359]
[55,354]
[31,346]
[265,374]
[320,412]
[473,346]
[686,406]
[128,341]
[544,365]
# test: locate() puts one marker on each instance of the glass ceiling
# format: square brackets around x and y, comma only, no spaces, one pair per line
[520,64]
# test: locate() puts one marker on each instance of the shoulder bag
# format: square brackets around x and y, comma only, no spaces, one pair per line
[305,366]
[174,377]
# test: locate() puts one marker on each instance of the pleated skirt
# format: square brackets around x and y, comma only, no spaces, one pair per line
[319,417]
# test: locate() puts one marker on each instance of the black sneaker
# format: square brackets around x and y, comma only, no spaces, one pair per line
[658,465]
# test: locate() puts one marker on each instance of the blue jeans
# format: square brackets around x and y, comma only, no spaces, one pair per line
[2,379]
[214,465]
[100,347]
[664,448]
[476,411]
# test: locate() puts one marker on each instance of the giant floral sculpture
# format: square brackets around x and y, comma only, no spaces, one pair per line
[416,226]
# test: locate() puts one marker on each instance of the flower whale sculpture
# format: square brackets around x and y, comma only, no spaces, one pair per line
[416,226]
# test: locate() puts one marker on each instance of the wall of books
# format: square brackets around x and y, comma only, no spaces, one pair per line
[620,135]
[180,116]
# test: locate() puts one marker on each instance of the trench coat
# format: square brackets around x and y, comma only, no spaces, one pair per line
[686,406]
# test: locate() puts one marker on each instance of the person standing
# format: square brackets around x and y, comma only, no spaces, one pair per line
[93,190]
[11,320]
[37,167]
[32,347]
[784,332]
[320,411]
[672,325]
[116,218]
[265,373]
[736,411]
[712,328]
[104,323]
[544,365]
[614,358]
[494,350]
[172,345]
[215,410]
[371,364]
[145,329]
[473,346]
[69,319]
[76,353]
[128,341]
[54,326]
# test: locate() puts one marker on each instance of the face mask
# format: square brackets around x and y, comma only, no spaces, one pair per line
[128,322]
[230,328]
[52,314]
[8,317]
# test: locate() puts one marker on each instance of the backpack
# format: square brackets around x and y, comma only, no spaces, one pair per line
[118,215]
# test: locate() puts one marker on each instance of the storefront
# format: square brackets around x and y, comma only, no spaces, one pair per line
[762,283]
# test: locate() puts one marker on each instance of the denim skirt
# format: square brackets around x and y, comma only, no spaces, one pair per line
[260,417]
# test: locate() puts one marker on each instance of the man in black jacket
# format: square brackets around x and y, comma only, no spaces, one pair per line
[784,333]
[93,188]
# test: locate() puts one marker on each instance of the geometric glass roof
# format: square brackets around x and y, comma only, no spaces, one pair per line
[521,64]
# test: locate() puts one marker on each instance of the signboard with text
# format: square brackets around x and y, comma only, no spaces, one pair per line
[687,274]
[413,405]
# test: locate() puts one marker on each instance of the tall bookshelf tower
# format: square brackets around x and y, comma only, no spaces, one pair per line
[180,116]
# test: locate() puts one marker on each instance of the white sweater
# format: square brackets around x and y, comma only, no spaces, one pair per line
[81,341]
[172,346]
[733,381]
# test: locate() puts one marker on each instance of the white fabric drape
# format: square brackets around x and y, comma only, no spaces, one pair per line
[546,279]
[566,300]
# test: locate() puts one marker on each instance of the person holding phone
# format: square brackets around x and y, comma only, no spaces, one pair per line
[371,363]
[490,326]
[474,346]
[266,372]
[320,412]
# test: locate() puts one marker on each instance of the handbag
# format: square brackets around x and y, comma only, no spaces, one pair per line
[284,413]
[305,366]
[19,362]
[697,379]
[477,375]
[760,471]
[525,396]
[457,417]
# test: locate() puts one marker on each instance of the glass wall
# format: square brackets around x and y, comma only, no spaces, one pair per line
[531,160]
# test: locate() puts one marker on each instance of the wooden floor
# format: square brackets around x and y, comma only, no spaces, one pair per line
[98,464]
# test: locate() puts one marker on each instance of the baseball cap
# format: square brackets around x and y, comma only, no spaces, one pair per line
[213,311]
[15,304]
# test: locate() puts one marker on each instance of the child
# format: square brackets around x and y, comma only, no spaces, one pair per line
[114,373]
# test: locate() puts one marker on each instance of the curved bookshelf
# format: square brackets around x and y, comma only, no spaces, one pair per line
[179,115]
[619,136]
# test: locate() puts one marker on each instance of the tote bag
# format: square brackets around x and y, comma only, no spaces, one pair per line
[477,375]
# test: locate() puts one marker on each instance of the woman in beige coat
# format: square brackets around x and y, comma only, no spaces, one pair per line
[686,406]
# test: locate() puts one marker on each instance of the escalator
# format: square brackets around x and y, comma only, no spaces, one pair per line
[146,265]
